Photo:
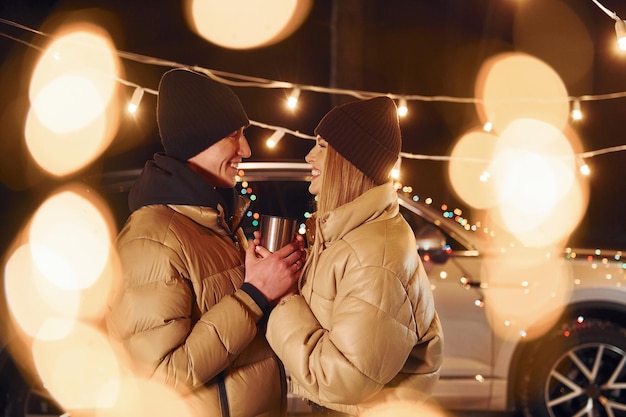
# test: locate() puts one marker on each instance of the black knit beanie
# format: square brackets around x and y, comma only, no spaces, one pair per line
[194,112]
[366,133]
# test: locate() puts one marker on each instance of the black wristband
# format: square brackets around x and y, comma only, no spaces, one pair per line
[257,296]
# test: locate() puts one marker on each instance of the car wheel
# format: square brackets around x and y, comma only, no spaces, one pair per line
[579,372]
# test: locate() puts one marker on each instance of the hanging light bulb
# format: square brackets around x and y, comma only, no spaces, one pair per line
[135,100]
[620,25]
[292,101]
[576,112]
[488,126]
[273,140]
[402,107]
[395,171]
[582,166]
[620,31]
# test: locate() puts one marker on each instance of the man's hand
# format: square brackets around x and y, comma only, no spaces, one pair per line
[274,274]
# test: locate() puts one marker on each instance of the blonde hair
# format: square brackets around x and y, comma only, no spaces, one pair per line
[342,182]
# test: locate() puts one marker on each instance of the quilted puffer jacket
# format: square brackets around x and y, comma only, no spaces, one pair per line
[181,315]
[364,329]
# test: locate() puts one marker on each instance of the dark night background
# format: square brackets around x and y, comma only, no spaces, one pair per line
[427,47]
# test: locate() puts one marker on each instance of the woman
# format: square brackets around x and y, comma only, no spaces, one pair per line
[363,328]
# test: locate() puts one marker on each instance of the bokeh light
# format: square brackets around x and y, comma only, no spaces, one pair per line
[528,289]
[514,85]
[535,178]
[74,106]
[553,31]
[68,103]
[404,408]
[81,370]
[70,240]
[62,266]
[61,154]
[469,169]
[83,51]
[245,24]
[145,397]
[33,299]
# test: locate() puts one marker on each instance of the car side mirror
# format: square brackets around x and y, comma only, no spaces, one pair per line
[431,244]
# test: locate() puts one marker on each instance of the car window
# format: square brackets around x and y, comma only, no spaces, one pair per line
[277,198]
[417,223]
[292,199]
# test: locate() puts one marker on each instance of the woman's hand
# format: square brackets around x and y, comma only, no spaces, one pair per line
[274,274]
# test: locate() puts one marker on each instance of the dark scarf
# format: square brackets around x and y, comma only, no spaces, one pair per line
[165,180]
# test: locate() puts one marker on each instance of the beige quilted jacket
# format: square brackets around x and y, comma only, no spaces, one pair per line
[364,329]
[182,318]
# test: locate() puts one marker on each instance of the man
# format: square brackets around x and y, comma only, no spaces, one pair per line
[186,313]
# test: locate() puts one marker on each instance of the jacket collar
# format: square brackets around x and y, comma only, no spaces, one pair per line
[379,203]
[165,180]
[214,218]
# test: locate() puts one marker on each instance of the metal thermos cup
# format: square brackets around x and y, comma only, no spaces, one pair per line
[276,231]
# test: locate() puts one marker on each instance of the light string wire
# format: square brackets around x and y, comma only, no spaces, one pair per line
[249,81]
[239,80]
[611,14]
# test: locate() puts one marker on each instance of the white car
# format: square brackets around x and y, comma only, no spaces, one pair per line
[567,361]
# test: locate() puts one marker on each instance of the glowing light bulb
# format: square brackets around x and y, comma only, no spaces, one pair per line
[292,101]
[582,166]
[576,112]
[620,31]
[273,140]
[135,100]
[402,107]
[395,171]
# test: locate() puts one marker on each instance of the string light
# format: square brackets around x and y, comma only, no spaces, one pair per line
[582,166]
[620,31]
[395,171]
[135,100]
[402,107]
[283,129]
[488,126]
[273,140]
[576,112]
[292,101]
[248,81]
[620,25]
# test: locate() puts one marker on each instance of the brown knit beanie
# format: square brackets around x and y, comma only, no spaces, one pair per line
[194,112]
[366,133]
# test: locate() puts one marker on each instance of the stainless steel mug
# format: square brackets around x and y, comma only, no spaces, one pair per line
[276,231]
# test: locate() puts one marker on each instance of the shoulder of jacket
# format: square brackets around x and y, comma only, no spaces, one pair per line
[393,241]
[149,222]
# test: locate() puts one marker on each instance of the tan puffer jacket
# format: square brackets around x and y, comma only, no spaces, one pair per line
[364,329]
[182,318]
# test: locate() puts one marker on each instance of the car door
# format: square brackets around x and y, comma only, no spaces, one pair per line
[465,381]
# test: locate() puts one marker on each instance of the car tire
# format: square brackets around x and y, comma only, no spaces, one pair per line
[579,371]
